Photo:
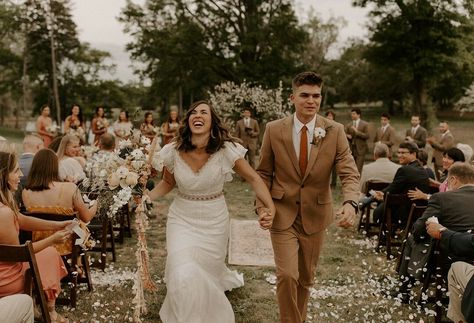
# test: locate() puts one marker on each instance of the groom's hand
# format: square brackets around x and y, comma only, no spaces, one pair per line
[265,218]
[347,216]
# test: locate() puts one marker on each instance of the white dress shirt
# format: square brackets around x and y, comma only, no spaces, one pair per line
[297,126]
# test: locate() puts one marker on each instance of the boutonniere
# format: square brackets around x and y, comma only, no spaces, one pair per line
[318,135]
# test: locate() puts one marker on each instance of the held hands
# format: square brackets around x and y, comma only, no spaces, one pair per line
[265,217]
[346,216]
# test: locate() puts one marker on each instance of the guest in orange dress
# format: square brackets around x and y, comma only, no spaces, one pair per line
[99,124]
[44,125]
[147,127]
[74,124]
[45,193]
[170,127]
[50,264]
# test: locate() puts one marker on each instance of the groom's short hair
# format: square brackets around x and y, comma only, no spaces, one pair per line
[306,78]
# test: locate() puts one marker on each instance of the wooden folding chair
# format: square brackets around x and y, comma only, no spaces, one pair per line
[416,212]
[70,261]
[25,253]
[104,228]
[386,228]
[124,223]
[365,212]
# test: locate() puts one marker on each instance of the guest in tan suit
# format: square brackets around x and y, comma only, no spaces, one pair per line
[357,133]
[416,133]
[247,130]
[441,144]
[296,159]
[386,133]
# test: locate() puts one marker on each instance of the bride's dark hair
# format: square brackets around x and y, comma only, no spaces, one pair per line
[219,132]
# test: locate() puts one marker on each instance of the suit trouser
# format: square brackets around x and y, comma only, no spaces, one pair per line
[296,255]
[16,308]
[458,277]
[251,156]
[359,159]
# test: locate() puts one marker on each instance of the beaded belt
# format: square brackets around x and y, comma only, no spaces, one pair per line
[200,197]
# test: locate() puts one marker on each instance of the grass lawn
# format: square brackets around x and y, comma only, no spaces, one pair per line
[348,283]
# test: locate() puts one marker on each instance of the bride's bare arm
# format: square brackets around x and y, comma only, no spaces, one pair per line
[164,186]
[243,168]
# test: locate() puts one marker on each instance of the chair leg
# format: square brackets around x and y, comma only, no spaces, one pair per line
[87,271]
[73,293]
[103,247]
[129,224]
[388,234]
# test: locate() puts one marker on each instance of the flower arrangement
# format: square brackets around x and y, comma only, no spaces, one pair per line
[52,128]
[102,123]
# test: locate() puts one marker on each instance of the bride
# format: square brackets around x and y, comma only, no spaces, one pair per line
[198,162]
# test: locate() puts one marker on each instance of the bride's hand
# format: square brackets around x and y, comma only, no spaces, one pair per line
[265,218]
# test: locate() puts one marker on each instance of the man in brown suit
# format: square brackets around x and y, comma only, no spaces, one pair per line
[357,132]
[441,144]
[386,133]
[297,156]
[416,133]
[247,130]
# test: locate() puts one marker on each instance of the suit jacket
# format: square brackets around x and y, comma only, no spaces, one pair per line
[444,143]
[382,170]
[461,244]
[387,137]
[359,138]
[408,177]
[248,136]
[419,137]
[453,210]
[279,169]
[25,161]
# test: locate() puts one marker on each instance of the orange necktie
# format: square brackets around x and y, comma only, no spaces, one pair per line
[303,150]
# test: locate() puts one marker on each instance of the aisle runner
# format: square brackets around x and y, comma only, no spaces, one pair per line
[249,245]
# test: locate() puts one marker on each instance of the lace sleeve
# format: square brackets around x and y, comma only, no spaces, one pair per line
[165,157]
[231,152]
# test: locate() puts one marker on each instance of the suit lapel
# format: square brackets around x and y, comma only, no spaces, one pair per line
[315,148]
[287,136]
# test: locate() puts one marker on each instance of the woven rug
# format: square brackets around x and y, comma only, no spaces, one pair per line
[249,245]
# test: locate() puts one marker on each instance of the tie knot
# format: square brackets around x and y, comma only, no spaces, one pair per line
[304,129]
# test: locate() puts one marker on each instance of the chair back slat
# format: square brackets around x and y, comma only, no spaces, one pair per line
[376,186]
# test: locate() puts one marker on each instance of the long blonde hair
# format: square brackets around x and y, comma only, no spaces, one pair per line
[63,145]
[8,161]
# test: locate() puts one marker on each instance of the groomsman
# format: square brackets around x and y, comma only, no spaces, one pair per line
[386,133]
[357,133]
[248,130]
[443,142]
[416,133]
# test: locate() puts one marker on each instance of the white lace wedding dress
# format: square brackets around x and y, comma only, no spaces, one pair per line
[197,235]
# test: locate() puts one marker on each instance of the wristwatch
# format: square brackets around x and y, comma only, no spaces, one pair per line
[352,203]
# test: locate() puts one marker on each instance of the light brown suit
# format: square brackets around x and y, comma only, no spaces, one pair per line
[444,143]
[303,205]
[358,142]
[249,138]
[386,137]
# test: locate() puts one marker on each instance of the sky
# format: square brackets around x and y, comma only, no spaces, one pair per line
[97,24]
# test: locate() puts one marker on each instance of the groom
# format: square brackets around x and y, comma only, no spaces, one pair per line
[296,159]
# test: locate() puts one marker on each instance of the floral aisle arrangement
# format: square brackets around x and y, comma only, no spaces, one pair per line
[117,178]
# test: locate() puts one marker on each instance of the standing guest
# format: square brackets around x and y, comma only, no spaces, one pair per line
[331,115]
[99,124]
[357,132]
[17,308]
[440,144]
[382,170]
[461,274]
[199,162]
[416,133]
[31,145]
[297,156]
[50,265]
[386,133]
[74,124]
[247,130]
[44,125]
[170,127]
[123,127]
[147,128]
[70,169]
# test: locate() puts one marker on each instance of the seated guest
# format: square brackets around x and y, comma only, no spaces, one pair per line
[50,265]
[17,309]
[70,168]
[31,145]
[107,143]
[45,193]
[410,175]
[54,145]
[451,209]
[382,170]
[461,274]
[450,156]
[422,156]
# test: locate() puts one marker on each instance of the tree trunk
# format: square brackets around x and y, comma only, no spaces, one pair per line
[421,106]
[54,70]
